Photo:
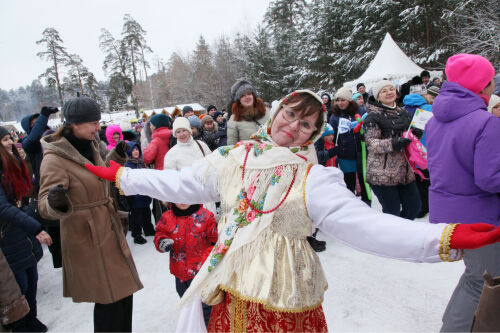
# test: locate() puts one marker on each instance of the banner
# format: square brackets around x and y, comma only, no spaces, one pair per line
[344,125]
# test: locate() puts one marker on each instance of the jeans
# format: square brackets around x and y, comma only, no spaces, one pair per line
[399,200]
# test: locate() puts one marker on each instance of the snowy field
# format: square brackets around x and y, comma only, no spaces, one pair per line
[365,294]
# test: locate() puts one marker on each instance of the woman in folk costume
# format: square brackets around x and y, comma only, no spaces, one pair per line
[262,275]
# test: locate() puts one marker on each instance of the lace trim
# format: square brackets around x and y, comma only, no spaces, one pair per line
[445,252]
[264,303]
[304,187]
[118,177]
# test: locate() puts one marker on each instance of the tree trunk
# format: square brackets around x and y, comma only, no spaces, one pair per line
[133,64]
[59,90]
[80,82]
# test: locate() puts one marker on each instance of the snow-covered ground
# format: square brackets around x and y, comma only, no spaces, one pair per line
[365,294]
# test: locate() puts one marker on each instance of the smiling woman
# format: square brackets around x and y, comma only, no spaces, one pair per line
[387,171]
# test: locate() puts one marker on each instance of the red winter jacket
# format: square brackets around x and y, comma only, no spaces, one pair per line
[192,235]
[157,148]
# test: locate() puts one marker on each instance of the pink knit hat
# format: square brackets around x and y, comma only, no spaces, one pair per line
[471,71]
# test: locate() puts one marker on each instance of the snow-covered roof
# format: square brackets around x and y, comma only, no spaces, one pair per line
[195,106]
[390,62]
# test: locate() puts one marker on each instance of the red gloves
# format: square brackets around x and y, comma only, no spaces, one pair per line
[473,236]
[108,173]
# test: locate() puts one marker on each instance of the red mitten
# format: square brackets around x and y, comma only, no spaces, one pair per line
[473,236]
[108,173]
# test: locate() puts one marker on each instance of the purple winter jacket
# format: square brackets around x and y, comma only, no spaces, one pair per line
[463,146]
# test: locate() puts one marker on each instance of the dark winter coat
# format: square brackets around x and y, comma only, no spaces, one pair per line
[384,166]
[97,262]
[463,145]
[17,234]
[192,235]
[222,133]
[211,138]
[136,201]
[31,142]
[13,305]
[348,144]
[323,154]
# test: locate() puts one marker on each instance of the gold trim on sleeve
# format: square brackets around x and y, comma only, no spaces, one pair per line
[445,252]
[118,177]
[304,187]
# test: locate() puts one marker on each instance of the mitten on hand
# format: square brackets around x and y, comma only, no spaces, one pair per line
[108,173]
[121,148]
[473,236]
[48,110]
[165,244]
[399,144]
[57,197]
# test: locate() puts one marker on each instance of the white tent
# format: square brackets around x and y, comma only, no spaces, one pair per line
[390,62]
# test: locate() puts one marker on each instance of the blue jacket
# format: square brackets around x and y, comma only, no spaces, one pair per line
[136,201]
[348,143]
[31,143]
[17,234]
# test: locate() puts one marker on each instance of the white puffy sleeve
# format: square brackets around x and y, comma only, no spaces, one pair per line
[193,184]
[336,211]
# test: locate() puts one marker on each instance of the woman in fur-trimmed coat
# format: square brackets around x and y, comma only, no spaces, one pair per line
[248,112]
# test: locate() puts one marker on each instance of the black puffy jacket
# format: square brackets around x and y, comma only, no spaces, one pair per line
[17,234]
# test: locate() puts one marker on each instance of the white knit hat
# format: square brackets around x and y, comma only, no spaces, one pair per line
[494,100]
[181,122]
[344,93]
[379,86]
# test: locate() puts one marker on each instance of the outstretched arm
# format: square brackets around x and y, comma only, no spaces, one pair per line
[194,184]
[337,212]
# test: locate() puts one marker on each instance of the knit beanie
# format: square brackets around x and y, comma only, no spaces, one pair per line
[240,88]
[356,96]
[328,130]
[3,132]
[344,93]
[210,107]
[216,114]
[433,90]
[206,119]
[81,110]
[379,86]
[160,120]
[186,109]
[359,85]
[327,96]
[194,121]
[181,122]
[471,71]
[494,100]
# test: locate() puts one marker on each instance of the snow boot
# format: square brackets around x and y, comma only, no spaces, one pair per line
[317,246]
[140,240]
[37,326]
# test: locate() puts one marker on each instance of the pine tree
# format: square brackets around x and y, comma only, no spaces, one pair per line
[178,73]
[202,74]
[283,19]
[226,70]
[56,54]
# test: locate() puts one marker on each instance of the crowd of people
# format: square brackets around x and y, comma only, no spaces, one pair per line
[237,198]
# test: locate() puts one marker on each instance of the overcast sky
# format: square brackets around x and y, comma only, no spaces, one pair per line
[171,26]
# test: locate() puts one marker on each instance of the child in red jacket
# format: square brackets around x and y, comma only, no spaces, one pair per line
[186,231]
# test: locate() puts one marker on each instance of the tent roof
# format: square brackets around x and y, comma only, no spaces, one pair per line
[390,62]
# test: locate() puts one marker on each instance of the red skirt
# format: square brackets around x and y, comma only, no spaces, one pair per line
[237,315]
